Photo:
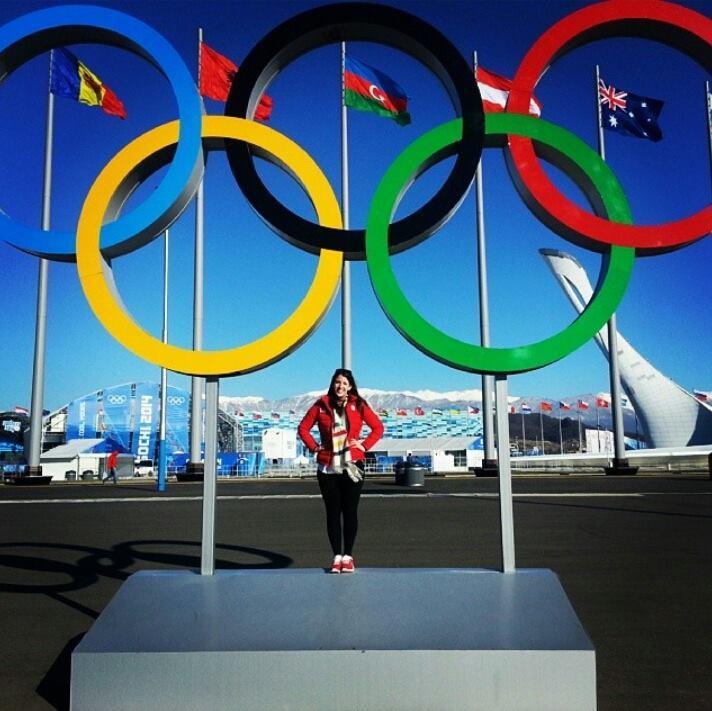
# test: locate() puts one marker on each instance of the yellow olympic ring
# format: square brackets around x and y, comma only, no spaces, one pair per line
[97,279]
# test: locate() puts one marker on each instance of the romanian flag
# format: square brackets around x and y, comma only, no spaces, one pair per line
[368,89]
[71,78]
[216,75]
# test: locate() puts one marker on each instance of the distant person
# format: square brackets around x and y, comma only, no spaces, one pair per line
[111,466]
[340,458]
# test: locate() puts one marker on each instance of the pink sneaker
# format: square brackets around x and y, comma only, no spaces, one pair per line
[336,566]
[347,564]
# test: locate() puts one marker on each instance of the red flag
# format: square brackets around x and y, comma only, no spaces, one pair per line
[419,412]
[582,405]
[512,409]
[216,74]
[601,402]
[545,406]
[400,412]
[494,90]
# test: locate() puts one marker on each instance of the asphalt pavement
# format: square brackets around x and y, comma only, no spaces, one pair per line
[633,554]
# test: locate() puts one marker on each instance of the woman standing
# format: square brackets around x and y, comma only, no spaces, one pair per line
[339,415]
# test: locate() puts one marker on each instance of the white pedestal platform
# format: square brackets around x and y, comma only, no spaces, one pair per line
[402,638]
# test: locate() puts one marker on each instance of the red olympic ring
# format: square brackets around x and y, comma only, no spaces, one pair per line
[672,24]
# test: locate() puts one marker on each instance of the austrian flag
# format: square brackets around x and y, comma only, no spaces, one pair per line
[368,89]
[494,90]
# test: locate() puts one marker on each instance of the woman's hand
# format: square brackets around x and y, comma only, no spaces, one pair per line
[356,443]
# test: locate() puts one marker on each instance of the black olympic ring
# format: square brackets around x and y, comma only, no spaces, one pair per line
[357,22]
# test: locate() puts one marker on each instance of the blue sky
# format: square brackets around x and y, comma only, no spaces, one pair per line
[254,279]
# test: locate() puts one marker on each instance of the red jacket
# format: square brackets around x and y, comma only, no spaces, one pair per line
[322,414]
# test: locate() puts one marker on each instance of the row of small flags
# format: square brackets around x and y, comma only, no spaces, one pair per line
[545,406]
[365,89]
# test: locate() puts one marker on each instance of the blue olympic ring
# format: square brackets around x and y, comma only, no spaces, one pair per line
[38,32]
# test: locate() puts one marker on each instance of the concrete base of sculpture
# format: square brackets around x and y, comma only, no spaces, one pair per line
[399,638]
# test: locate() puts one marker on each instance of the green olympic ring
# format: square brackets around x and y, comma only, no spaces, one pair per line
[467,356]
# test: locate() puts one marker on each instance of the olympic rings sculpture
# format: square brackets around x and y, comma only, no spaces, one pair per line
[667,22]
[479,358]
[608,230]
[97,280]
[37,32]
[358,21]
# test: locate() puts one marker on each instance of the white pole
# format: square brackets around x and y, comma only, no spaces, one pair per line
[612,329]
[196,384]
[487,380]
[506,512]
[708,101]
[346,269]
[38,366]
[561,438]
[162,453]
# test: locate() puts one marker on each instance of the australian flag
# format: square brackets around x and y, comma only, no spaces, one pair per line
[629,114]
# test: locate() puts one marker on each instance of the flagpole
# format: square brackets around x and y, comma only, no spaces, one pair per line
[195,464]
[541,428]
[561,438]
[346,269]
[579,428]
[708,100]
[489,462]
[620,463]
[38,366]
[162,453]
[524,433]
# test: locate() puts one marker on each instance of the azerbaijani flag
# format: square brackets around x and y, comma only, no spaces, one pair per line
[71,78]
[368,89]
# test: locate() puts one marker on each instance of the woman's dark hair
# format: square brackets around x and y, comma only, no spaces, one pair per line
[352,382]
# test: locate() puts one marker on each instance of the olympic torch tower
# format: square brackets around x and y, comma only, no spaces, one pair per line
[669,415]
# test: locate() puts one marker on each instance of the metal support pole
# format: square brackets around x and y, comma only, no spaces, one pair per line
[346,269]
[506,511]
[616,403]
[195,464]
[38,365]
[162,453]
[487,380]
[207,556]
[708,103]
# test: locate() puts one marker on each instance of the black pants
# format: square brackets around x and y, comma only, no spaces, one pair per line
[341,497]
